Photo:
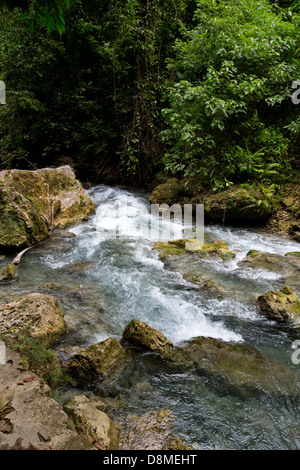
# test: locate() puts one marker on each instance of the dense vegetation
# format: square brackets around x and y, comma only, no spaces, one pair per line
[200,90]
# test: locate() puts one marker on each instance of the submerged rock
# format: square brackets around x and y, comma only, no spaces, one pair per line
[284,265]
[186,256]
[237,366]
[36,315]
[86,415]
[140,334]
[32,202]
[282,306]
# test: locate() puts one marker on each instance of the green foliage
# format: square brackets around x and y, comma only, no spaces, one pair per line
[48,13]
[201,91]
[228,106]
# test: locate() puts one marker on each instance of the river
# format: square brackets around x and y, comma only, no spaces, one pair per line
[102,282]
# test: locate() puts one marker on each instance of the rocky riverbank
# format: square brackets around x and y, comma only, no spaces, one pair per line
[275,209]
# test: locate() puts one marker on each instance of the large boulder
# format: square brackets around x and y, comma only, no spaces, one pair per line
[167,193]
[238,366]
[139,334]
[36,315]
[282,306]
[239,206]
[33,202]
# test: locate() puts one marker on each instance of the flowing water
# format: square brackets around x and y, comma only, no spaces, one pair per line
[102,282]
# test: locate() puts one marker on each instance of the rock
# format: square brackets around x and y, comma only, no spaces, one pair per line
[94,422]
[32,202]
[79,442]
[79,268]
[167,193]
[186,257]
[206,284]
[36,315]
[288,201]
[100,360]
[176,444]
[33,417]
[238,366]
[151,431]
[140,334]
[8,273]
[218,248]
[282,306]
[206,250]
[239,206]
[284,265]
[293,253]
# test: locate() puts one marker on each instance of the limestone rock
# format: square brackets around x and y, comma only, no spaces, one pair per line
[32,202]
[32,415]
[99,359]
[282,306]
[140,334]
[238,366]
[97,424]
[37,315]
[150,431]
[186,246]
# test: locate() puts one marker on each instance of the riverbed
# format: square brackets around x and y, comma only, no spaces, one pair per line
[102,281]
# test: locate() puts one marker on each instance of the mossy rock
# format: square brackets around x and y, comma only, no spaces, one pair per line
[293,253]
[33,202]
[36,315]
[239,206]
[282,306]
[185,246]
[284,265]
[100,360]
[237,366]
[141,335]
[167,193]
[8,273]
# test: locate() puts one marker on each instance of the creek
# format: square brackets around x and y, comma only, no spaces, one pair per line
[102,282]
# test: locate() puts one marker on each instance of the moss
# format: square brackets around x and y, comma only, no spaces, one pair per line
[282,306]
[293,253]
[40,359]
[7,273]
[166,249]
[140,334]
